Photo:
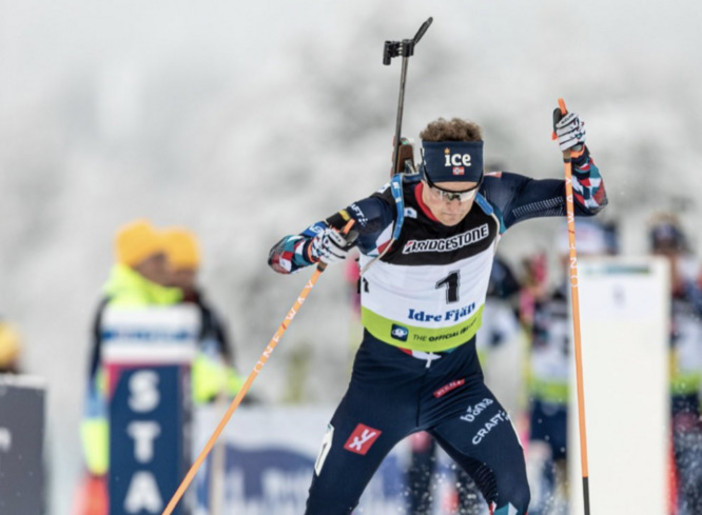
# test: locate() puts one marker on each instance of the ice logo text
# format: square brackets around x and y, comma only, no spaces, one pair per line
[457,160]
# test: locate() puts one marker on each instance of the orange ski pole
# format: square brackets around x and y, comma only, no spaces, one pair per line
[575,303]
[247,384]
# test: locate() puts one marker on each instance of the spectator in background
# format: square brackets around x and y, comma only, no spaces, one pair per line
[10,348]
[138,279]
[549,373]
[501,314]
[667,239]
[213,370]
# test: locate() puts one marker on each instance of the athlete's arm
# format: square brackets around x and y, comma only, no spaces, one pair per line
[518,198]
[370,215]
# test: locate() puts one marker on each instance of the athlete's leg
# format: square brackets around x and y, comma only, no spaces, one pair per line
[353,447]
[483,441]
[378,410]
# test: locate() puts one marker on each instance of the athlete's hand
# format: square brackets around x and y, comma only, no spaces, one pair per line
[329,246]
[570,132]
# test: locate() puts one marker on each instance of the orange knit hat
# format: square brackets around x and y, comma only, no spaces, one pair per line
[182,248]
[136,241]
[10,345]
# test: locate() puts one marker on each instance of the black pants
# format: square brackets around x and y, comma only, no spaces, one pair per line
[392,395]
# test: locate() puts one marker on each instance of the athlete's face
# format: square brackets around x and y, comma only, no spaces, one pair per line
[448,209]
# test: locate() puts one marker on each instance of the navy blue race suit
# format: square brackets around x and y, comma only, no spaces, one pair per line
[422,296]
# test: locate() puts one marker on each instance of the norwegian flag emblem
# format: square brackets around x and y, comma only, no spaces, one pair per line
[362,439]
[458,170]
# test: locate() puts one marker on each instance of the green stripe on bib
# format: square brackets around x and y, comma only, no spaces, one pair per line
[425,339]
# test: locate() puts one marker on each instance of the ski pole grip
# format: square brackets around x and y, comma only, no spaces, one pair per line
[558,113]
[350,238]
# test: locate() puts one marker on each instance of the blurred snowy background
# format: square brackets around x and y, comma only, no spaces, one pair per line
[246,121]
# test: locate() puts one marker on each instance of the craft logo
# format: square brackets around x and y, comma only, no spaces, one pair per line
[399,333]
[362,439]
[494,421]
[360,215]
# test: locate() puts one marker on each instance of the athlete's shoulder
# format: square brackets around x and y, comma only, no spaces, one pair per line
[399,183]
[501,187]
[502,179]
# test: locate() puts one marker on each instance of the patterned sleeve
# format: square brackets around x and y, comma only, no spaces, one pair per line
[517,198]
[371,215]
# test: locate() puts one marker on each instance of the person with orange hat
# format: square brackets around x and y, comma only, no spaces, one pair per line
[10,348]
[212,371]
[139,278]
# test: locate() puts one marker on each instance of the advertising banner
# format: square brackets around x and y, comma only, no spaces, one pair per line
[22,405]
[147,355]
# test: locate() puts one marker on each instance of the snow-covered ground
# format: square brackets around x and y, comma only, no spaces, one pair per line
[248,120]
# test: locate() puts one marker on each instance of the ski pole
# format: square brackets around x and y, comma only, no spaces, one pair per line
[406,49]
[558,113]
[302,296]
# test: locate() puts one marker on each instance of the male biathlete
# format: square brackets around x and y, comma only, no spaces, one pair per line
[427,245]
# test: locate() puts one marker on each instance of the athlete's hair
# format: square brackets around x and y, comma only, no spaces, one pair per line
[455,129]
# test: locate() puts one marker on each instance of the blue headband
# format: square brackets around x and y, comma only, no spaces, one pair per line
[452,161]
